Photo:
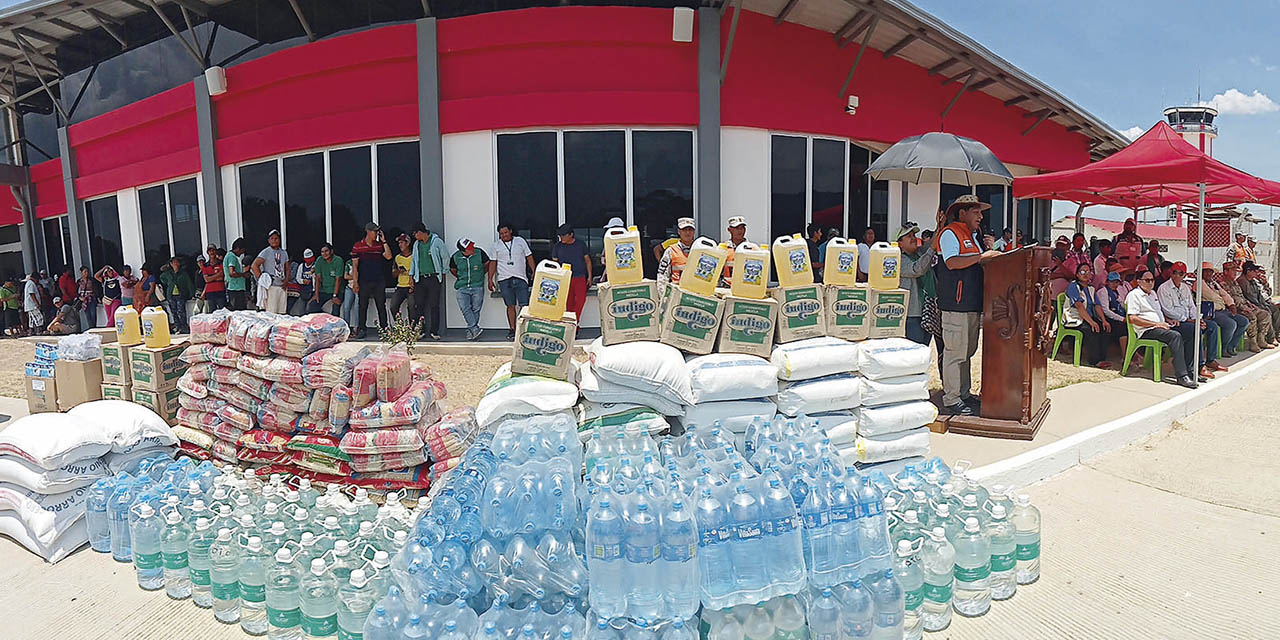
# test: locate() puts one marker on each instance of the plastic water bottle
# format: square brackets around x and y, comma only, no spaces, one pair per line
[224,569]
[858,615]
[748,551]
[174,543]
[95,515]
[824,617]
[758,626]
[782,539]
[147,556]
[355,601]
[640,546]
[1004,564]
[379,626]
[318,602]
[253,587]
[886,591]
[972,593]
[907,568]
[284,582]
[938,563]
[415,629]
[1026,523]
[789,621]
[728,628]
[118,515]
[200,564]
[679,631]
[715,564]
[605,566]
[679,562]
[817,530]
[873,531]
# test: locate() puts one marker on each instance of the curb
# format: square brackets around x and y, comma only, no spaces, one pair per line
[1059,456]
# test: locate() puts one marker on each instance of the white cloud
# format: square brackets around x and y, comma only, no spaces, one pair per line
[1235,102]
[1132,133]
[1255,60]
[1273,68]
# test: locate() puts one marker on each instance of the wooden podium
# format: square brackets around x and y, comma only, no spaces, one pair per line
[1016,312]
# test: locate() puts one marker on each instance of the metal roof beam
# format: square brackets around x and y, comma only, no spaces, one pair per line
[858,30]
[733,32]
[22,45]
[1015,100]
[782,15]
[306,26]
[426,9]
[942,66]
[866,39]
[109,25]
[899,45]
[967,73]
[32,34]
[194,6]
[67,26]
[847,29]
[173,29]
[973,74]
[1045,116]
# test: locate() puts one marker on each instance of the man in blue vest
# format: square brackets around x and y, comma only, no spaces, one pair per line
[959,288]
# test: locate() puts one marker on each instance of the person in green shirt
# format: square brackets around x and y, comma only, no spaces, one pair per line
[469,264]
[427,271]
[234,274]
[178,289]
[327,296]
[9,301]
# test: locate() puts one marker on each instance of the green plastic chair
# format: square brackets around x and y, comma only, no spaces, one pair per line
[1155,352]
[1066,332]
[1239,345]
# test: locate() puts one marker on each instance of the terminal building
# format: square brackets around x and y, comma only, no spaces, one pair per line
[137,129]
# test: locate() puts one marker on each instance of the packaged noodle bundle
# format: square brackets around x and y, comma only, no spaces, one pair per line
[229,376]
[364,380]
[264,440]
[192,449]
[275,369]
[224,356]
[235,415]
[310,333]
[242,399]
[289,396]
[394,375]
[318,408]
[381,441]
[332,367]
[201,372]
[254,386]
[250,331]
[324,445]
[206,404]
[408,409]
[223,450]
[366,463]
[189,386]
[419,371]
[307,424]
[340,406]
[255,456]
[201,420]
[194,436]
[210,327]
[197,353]
[276,419]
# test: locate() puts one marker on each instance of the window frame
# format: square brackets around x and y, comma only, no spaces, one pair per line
[168,205]
[808,177]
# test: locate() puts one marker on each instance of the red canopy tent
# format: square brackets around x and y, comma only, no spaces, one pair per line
[1159,169]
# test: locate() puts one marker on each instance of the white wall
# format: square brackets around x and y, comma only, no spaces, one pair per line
[744,181]
[230,203]
[130,228]
[922,207]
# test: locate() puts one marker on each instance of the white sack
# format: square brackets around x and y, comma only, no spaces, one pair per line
[894,390]
[733,415]
[73,538]
[17,471]
[609,417]
[647,366]
[517,395]
[893,446]
[840,426]
[828,393]
[599,390]
[130,425]
[890,468]
[892,357]
[814,357]
[54,440]
[892,418]
[731,376]
[118,462]
[45,516]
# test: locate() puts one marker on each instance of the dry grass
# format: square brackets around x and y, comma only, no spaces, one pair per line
[13,355]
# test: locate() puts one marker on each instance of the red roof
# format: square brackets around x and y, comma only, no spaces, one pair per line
[1147,231]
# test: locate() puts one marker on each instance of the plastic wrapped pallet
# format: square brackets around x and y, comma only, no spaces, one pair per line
[647,366]
[892,418]
[895,390]
[828,393]
[892,358]
[730,376]
[892,446]
[606,392]
[509,395]
[332,367]
[814,358]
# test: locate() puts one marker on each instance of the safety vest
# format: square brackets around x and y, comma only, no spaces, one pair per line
[678,259]
[960,289]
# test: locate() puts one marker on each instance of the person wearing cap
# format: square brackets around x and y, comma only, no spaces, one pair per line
[1234,325]
[9,302]
[864,252]
[369,259]
[1249,250]
[274,262]
[1111,296]
[31,303]
[831,234]
[1128,246]
[614,223]
[178,289]
[67,321]
[429,259]
[468,265]
[671,266]
[303,286]
[959,285]
[327,282]
[509,272]
[916,276]
[110,282]
[1077,254]
[403,270]
[1178,304]
[1142,309]
[737,228]
[1260,334]
[1005,243]
[1059,275]
[234,274]
[571,252]
[1100,262]
[1238,249]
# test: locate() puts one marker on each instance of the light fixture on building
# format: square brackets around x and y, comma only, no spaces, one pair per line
[682,24]
[852,109]
[216,78]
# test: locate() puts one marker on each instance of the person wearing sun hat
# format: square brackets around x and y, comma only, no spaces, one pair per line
[1232,324]
[917,278]
[671,266]
[737,228]
[959,286]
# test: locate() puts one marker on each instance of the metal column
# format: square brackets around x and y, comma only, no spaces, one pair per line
[709,122]
[215,227]
[429,146]
[75,208]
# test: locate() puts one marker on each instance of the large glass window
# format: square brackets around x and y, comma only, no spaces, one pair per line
[155,227]
[304,209]
[528,197]
[104,233]
[350,195]
[595,185]
[859,190]
[662,183]
[259,204]
[400,188]
[788,177]
[827,192]
[993,221]
[879,204]
[184,217]
[56,260]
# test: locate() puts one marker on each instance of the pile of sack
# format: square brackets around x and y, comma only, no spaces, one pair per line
[49,460]
[447,440]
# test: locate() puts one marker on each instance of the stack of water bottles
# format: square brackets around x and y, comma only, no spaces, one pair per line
[279,560]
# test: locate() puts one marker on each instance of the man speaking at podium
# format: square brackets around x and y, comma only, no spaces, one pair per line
[959,284]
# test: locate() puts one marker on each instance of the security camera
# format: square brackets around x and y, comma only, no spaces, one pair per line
[852,109]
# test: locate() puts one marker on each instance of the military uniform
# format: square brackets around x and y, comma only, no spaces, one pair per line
[1260,330]
[1254,294]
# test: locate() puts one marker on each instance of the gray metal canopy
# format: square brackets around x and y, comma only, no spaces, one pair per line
[938,158]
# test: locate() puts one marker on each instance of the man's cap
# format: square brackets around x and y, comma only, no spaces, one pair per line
[1208,266]
[372,226]
[564,229]
[966,201]
[57,300]
[737,221]
[211,246]
[1231,265]
[907,229]
[307,253]
[685,223]
[1113,277]
[1062,240]
[405,237]
[463,243]
[1182,266]
[614,222]
[419,228]
[273,232]
[201,259]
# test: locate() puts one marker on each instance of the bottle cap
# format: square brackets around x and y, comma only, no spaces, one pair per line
[970,500]
[255,544]
[202,524]
[304,484]
[971,525]
[381,559]
[997,512]
[145,511]
[173,518]
[341,547]
[330,522]
[366,528]
[317,566]
[904,547]
[938,534]
[358,579]
[911,516]
[224,534]
[1024,500]
[307,538]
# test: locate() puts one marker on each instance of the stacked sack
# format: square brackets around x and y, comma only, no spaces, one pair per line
[448,439]
[49,460]
[636,386]
[730,390]
[818,380]
[895,413]
[391,408]
[511,395]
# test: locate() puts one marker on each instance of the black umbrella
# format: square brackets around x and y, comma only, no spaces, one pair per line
[940,157]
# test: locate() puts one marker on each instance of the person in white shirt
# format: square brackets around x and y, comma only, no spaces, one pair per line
[511,257]
[864,253]
[31,304]
[1178,304]
[1143,309]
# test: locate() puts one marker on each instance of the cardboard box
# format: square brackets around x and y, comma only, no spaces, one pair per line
[39,369]
[46,352]
[164,403]
[888,314]
[691,322]
[629,312]
[112,391]
[800,312]
[848,310]
[107,334]
[748,326]
[544,347]
[116,367]
[42,394]
[156,369]
[79,381]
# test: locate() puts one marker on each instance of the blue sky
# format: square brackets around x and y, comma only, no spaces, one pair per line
[1126,61]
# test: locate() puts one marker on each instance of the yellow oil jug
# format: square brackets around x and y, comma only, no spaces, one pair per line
[792,261]
[128,326]
[622,255]
[885,266]
[550,292]
[750,271]
[704,266]
[841,266]
[155,328]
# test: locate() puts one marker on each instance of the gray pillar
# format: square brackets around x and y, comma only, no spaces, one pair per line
[709,122]
[215,227]
[75,208]
[30,230]
[429,147]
